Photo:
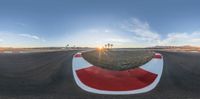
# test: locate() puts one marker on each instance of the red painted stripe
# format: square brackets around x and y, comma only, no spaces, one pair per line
[77,55]
[159,56]
[103,79]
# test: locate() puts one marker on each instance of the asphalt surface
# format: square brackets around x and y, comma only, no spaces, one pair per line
[48,75]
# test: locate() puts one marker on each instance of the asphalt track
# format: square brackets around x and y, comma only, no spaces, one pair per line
[48,75]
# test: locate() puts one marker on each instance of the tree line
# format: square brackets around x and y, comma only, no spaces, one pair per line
[108,46]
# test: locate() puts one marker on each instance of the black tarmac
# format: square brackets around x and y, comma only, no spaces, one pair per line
[48,75]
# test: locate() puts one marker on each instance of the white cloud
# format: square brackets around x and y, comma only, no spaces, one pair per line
[107,31]
[182,39]
[29,36]
[20,24]
[143,35]
[11,39]
[141,31]
[1,40]
[96,37]
[117,40]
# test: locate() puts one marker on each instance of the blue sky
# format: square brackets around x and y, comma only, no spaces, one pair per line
[92,23]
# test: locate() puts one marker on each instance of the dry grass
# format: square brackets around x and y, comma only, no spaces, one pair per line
[118,60]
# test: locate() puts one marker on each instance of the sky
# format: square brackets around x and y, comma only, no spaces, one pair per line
[93,23]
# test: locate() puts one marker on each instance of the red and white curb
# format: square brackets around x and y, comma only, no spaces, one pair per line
[102,81]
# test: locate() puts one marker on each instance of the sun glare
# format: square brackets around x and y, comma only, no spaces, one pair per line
[100,48]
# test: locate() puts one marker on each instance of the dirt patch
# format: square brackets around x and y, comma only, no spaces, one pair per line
[118,60]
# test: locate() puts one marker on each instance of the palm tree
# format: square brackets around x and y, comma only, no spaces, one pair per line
[105,45]
[67,46]
[111,45]
[108,45]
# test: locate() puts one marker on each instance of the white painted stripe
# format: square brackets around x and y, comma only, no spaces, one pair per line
[8,52]
[154,66]
[80,63]
[194,51]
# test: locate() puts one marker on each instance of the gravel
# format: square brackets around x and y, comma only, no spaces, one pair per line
[118,60]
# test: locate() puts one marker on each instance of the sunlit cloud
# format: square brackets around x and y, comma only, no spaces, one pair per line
[144,36]
[20,24]
[29,36]
[9,39]
[132,33]
[141,31]
[1,40]
[107,31]
[182,39]
[97,37]
[117,40]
